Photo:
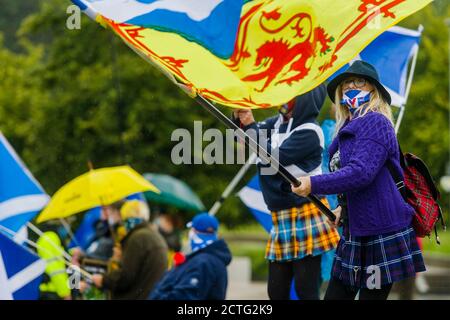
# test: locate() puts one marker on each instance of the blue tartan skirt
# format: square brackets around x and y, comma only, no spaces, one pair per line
[396,256]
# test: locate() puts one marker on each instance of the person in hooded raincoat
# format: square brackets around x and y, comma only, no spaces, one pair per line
[300,233]
[202,274]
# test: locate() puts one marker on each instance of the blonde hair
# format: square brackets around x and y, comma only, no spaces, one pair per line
[135,209]
[376,104]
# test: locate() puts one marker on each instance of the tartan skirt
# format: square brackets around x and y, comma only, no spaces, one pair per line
[299,232]
[397,254]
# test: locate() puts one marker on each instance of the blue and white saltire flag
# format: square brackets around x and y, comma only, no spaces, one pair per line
[20,271]
[211,23]
[390,54]
[21,196]
[252,197]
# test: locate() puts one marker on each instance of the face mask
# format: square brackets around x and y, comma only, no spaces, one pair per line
[111,221]
[131,223]
[354,99]
[200,240]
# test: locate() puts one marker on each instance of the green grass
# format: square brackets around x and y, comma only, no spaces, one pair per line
[248,230]
[430,245]
[249,241]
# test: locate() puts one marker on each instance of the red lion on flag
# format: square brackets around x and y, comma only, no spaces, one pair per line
[275,55]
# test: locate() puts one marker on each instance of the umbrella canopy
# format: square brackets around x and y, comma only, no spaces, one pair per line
[95,188]
[174,193]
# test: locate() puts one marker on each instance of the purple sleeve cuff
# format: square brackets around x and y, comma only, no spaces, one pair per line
[316,183]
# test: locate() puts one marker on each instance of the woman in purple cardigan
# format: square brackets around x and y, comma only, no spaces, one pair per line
[378,246]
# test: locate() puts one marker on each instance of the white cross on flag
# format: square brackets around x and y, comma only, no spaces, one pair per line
[20,271]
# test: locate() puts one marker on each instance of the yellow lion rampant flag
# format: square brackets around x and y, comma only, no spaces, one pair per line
[282,48]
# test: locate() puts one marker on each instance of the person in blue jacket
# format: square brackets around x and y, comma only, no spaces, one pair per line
[203,273]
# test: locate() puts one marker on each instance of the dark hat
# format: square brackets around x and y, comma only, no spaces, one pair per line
[204,222]
[359,69]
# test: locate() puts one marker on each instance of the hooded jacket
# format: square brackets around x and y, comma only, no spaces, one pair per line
[143,263]
[203,276]
[300,152]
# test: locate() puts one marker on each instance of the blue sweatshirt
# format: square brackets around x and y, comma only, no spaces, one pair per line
[203,276]
[300,152]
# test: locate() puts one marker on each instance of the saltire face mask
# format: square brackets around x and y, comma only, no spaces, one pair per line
[354,99]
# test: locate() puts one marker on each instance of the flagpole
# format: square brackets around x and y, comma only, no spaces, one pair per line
[261,152]
[408,85]
[215,208]
[36,246]
[69,231]
[40,234]
[66,257]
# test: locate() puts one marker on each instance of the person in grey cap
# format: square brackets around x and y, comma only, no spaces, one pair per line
[202,274]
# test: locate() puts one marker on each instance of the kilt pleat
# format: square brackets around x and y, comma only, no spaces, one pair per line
[299,232]
[396,254]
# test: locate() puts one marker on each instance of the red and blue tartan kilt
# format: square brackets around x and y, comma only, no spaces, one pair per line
[299,232]
[397,254]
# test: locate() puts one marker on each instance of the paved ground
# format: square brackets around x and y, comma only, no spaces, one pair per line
[258,291]
[436,280]
[247,291]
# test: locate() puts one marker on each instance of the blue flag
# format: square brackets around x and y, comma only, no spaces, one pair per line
[20,271]
[210,23]
[21,196]
[252,197]
[85,233]
[390,54]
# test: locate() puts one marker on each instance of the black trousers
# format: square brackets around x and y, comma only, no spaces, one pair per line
[338,291]
[306,274]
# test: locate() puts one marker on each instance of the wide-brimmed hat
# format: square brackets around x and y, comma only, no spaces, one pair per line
[359,69]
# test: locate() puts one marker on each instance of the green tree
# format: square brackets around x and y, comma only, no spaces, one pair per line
[425,128]
[11,14]
[79,116]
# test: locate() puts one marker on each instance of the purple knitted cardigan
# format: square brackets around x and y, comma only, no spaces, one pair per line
[374,204]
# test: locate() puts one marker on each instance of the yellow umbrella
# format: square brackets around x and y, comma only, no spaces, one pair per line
[95,188]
